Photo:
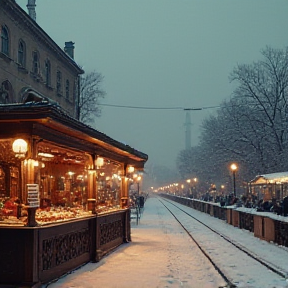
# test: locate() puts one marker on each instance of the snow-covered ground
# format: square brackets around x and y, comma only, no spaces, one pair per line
[161,254]
[239,268]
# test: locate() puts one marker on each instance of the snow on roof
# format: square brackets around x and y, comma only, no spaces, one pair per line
[279,177]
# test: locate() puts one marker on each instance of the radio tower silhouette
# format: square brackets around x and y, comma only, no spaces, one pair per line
[187,131]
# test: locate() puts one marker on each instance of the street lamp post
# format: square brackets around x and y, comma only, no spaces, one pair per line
[195,190]
[189,188]
[234,168]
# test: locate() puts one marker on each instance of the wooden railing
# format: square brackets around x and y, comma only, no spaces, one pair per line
[263,225]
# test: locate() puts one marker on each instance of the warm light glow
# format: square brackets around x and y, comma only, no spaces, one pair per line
[188,180]
[116,176]
[130,169]
[195,179]
[80,177]
[233,167]
[47,155]
[20,146]
[139,178]
[99,162]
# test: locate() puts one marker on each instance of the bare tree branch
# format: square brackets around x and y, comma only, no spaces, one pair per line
[90,95]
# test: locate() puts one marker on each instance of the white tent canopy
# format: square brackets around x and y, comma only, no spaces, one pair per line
[277,178]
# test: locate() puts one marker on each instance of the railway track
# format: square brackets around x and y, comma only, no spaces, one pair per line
[234,265]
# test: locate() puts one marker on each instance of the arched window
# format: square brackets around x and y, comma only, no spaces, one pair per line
[48,72]
[35,62]
[67,89]
[75,92]
[21,53]
[6,94]
[4,40]
[59,83]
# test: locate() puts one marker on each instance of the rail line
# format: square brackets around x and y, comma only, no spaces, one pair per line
[229,284]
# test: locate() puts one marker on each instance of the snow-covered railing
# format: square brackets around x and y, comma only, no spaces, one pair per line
[265,225]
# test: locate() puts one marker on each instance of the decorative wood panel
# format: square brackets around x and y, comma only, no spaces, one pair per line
[110,231]
[63,248]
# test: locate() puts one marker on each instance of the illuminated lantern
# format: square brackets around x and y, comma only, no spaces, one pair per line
[20,147]
[99,162]
[130,169]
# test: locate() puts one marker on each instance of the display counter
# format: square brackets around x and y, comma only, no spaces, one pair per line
[34,255]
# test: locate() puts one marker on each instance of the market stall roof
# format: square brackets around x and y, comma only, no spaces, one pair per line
[279,177]
[50,122]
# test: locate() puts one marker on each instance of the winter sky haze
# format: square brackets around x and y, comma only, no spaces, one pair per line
[163,54]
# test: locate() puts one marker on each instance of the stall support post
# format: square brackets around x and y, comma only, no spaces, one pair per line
[92,191]
[92,205]
[124,192]
[31,219]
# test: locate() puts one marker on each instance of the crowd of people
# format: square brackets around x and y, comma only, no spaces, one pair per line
[275,206]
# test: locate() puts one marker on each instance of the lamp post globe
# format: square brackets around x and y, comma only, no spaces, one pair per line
[234,168]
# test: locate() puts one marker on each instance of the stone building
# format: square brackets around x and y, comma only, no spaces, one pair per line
[32,66]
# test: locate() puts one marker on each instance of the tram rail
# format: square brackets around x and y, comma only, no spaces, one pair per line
[175,208]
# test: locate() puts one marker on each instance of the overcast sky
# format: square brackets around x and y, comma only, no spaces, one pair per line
[163,53]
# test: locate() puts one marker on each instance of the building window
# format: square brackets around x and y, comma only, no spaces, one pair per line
[6,92]
[67,89]
[48,73]
[35,63]
[21,53]
[75,91]
[59,83]
[4,40]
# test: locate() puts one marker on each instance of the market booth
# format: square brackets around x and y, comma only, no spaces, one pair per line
[268,186]
[63,193]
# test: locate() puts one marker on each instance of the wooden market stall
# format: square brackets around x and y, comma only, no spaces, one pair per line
[63,193]
[268,186]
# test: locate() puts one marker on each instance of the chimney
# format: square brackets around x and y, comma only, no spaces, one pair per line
[69,48]
[31,9]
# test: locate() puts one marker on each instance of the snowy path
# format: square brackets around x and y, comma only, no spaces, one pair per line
[237,266]
[161,254]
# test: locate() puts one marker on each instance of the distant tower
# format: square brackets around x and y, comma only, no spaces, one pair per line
[31,9]
[187,131]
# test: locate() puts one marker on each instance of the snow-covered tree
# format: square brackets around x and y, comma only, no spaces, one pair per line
[262,94]
[251,128]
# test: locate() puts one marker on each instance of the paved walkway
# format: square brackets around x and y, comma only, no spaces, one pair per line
[156,257]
